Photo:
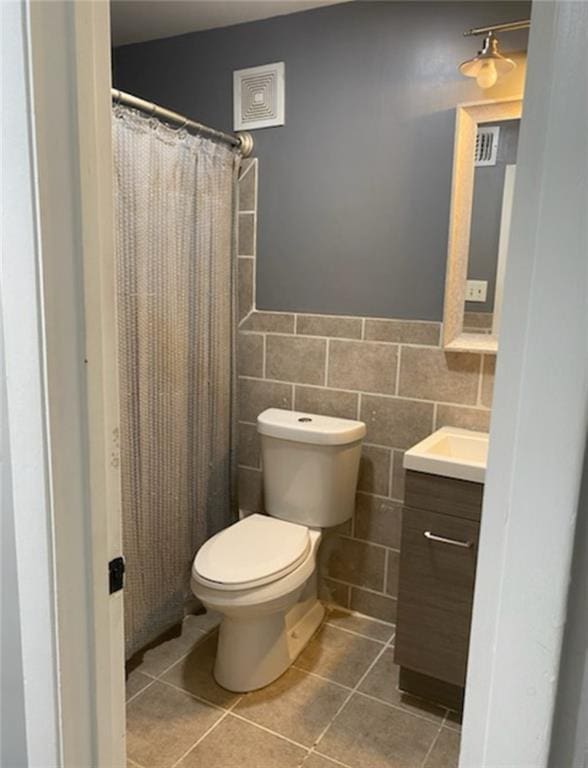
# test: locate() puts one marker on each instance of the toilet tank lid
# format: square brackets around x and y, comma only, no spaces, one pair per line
[309,427]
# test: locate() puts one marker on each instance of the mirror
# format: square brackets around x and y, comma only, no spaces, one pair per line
[484,169]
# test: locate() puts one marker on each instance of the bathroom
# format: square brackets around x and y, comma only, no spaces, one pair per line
[343,218]
[307,433]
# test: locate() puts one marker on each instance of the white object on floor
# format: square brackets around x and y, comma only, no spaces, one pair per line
[260,573]
[451,452]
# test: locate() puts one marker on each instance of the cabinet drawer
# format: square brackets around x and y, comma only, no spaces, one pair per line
[458,498]
[435,594]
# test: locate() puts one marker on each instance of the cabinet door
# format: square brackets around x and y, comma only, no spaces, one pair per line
[436,588]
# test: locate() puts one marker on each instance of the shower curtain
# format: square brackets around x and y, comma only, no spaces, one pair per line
[175,201]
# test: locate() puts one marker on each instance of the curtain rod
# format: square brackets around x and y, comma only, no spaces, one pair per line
[242,140]
[508,26]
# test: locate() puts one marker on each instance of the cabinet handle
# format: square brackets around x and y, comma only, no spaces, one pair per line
[443,540]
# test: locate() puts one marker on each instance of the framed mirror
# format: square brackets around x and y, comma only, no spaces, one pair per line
[484,170]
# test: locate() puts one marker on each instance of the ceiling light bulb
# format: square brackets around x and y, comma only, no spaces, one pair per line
[487,76]
[488,65]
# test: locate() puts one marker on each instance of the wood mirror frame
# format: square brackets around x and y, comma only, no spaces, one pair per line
[467,119]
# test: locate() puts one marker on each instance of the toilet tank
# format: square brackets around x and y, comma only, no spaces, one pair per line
[310,466]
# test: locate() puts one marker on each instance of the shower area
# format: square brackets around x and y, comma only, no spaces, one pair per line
[176,186]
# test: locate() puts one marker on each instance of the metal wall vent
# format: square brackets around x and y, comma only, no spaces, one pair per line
[486,145]
[258,97]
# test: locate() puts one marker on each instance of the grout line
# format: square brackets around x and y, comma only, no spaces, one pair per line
[350,695]
[327,356]
[134,696]
[385,395]
[237,716]
[432,745]
[225,714]
[359,408]
[358,634]
[366,589]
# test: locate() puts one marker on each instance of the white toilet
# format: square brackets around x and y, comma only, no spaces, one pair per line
[260,573]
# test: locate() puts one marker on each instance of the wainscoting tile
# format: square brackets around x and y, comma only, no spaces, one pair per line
[354,561]
[364,366]
[396,422]
[333,592]
[398,474]
[250,490]
[488,380]
[247,184]
[246,235]
[255,396]
[249,446]
[338,655]
[374,470]
[378,606]
[382,682]
[403,331]
[250,354]
[465,418]
[326,402]
[392,573]
[434,374]
[297,705]
[369,734]
[162,723]
[322,325]
[378,520]
[269,322]
[237,744]
[245,287]
[296,359]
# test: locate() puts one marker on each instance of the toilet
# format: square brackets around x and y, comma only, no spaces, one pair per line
[260,573]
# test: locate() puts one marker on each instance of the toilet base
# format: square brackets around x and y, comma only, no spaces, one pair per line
[252,653]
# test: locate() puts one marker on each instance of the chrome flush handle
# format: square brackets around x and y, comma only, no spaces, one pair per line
[443,540]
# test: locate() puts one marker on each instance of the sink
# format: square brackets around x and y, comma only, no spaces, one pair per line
[451,452]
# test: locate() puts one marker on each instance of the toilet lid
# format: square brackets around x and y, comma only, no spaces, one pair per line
[257,549]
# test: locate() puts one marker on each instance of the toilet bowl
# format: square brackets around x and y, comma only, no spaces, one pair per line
[260,573]
[269,616]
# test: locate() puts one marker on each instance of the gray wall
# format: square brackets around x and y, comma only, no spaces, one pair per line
[487,213]
[354,190]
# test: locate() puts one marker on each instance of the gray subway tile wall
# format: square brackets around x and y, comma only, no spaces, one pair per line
[393,375]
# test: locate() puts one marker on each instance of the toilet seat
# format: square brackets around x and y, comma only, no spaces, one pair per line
[255,551]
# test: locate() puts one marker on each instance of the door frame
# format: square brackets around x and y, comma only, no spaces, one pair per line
[513,662]
[59,306]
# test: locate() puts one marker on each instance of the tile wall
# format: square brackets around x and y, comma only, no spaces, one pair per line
[391,374]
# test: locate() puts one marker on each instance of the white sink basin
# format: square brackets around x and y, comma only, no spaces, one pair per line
[451,452]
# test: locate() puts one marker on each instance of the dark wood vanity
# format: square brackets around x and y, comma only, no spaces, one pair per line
[440,529]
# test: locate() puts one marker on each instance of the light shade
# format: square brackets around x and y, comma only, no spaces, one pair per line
[488,65]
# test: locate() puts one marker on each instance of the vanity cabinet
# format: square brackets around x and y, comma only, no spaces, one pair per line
[440,530]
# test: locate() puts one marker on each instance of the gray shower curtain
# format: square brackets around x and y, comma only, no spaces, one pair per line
[175,199]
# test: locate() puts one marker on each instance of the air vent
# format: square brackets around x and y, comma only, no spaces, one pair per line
[258,97]
[487,145]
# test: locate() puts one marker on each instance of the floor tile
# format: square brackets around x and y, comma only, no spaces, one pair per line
[445,752]
[236,744]
[175,644]
[338,655]
[297,705]
[382,682]
[363,625]
[319,761]
[135,682]
[162,723]
[368,734]
[193,673]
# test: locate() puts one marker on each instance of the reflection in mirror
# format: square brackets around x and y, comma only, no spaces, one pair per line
[494,172]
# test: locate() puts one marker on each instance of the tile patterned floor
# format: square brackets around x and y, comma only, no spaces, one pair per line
[337,706]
